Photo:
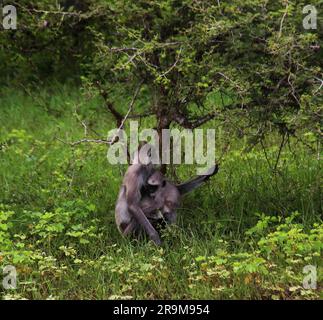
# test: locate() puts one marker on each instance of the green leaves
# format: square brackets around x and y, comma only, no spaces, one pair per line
[278,257]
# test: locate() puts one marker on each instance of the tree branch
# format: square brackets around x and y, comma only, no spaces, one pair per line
[73,144]
[129,109]
[117,115]
[183,121]
[139,116]
[120,120]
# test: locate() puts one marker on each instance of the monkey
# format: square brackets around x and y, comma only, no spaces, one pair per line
[149,204]
[159,203]
[127,207]
[161,198]
[166,198]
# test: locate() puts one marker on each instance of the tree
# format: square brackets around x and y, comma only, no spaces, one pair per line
[249,64]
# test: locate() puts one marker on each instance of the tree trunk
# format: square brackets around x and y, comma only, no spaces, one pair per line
[163,123]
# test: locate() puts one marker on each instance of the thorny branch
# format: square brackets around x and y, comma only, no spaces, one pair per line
[118,117]
[282,20]
[128,113]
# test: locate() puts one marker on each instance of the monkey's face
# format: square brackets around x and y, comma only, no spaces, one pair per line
[155,182]
[171,203]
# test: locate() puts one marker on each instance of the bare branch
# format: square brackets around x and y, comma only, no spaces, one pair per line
[139,116]
[193,123]
[174,64]
[82,122]
[117,115]
[282,20]
[121,125]
[57,12]
[293,89]
[99,141]
[280,150]
[319,88]
[232,81]
[116,49]
[129,111]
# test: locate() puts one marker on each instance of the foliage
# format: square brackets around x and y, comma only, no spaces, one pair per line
[247,68]
[249,64]
[277,260]
[57,222]
[268,266]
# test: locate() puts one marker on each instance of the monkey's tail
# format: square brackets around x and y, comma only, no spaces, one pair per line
[197,181]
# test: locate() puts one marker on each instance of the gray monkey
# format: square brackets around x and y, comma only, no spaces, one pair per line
[128,204]
[159,201]
[162,202]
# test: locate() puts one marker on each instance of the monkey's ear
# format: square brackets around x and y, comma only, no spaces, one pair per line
[192,184]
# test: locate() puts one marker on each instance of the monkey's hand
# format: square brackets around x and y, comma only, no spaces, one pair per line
[144,222]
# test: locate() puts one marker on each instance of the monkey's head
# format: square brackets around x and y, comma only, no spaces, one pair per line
[157,179]
[172,199]
[155,182]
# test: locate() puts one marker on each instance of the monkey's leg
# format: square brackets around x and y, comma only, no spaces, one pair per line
[130,228]
[149,211]
[144,222]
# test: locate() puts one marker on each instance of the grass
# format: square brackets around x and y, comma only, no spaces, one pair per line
[245,235]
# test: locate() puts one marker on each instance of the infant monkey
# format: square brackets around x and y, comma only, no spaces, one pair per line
[162,200]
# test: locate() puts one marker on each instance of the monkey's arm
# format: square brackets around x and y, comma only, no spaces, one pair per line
[144,222]
[133,199]
[150,212]
[130,228]
[149,208]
